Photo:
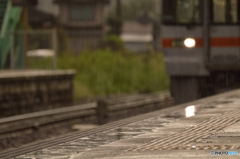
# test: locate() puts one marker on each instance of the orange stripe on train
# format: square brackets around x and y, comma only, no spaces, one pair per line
[225,42]
[214,42]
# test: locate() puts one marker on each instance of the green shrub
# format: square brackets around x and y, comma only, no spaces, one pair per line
[114,42]
[105,72]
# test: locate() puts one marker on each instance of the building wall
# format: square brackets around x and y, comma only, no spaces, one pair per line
[139,47]
[82,34]
[80,39]
[64,17]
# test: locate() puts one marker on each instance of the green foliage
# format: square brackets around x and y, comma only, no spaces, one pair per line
[105,72]
[34,46]
[40,62]
[63,41]
[132,9]
[114,42]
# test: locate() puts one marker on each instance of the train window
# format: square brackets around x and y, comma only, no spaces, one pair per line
[182,11]
[225,11]
[188,11]
[169,11]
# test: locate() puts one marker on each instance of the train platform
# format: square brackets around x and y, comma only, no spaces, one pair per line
[206,128]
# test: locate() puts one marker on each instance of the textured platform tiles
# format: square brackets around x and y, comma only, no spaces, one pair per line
[208,128]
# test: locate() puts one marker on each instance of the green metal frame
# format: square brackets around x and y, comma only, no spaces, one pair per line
[12,17]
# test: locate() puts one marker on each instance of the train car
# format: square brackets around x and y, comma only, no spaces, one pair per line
[200,41]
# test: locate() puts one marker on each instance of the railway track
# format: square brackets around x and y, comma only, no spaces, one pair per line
[101,112]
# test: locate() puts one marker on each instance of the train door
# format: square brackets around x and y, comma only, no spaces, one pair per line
[182,42]
[224,34]
[212,64]
[224,44]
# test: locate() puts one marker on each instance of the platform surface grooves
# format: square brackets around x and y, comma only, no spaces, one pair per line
[214,127]
[183,139]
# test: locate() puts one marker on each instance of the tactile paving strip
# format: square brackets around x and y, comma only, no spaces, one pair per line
[210,147]
[184,139]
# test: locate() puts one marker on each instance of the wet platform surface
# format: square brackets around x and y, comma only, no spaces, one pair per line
[191,130]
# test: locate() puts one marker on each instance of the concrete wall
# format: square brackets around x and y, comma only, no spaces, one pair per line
[81,33]
[64,17]
[30,91]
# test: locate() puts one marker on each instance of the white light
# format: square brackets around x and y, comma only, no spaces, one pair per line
[189,42]
[190,111]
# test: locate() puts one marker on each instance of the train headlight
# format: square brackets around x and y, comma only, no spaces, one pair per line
[189,42]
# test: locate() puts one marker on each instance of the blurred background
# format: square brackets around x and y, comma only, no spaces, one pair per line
[113,45]
[70,62]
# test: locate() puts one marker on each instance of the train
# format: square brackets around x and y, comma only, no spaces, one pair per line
[201,46]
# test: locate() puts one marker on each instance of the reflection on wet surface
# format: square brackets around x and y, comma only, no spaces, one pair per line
[71,149]
[221,102]
[190,111]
